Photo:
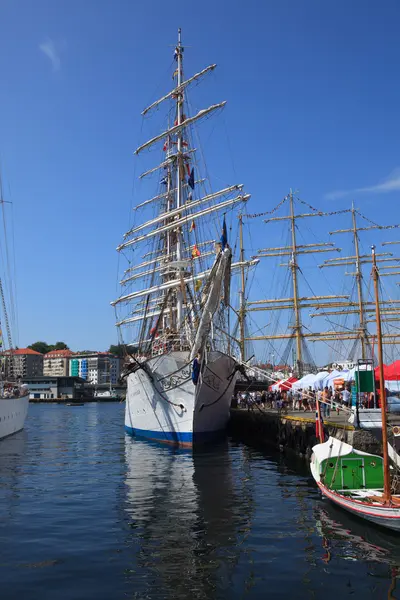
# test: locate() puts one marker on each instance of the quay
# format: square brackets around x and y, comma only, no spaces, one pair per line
[294,431]
[77,401]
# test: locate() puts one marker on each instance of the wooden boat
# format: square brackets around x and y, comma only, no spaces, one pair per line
[358,481]
[355,481]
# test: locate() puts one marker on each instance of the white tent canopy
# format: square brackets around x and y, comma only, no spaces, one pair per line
[328,381]
[305,382]
[319,378]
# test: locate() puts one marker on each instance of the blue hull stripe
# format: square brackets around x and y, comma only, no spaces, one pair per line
[176,437]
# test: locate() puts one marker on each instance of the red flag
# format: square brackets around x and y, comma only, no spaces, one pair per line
[195,252]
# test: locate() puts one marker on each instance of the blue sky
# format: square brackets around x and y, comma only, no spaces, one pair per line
[313,99]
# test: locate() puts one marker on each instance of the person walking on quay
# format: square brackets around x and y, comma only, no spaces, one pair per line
[346,397]
[326,410]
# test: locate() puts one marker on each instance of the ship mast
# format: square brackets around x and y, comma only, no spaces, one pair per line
[358,276]
[294,267]
[296,303]
[363,307]
[163,311]
[242,309]
[179,103]
[386,470]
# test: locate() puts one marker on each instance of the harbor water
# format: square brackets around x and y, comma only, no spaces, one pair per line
[89,513]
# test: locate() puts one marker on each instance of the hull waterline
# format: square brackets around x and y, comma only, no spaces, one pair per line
[13,413]
[385,516]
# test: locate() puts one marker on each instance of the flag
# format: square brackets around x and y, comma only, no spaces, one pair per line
[224,236]
[195,252]
[165,147]
[197,285]
[175,73]
[192,226]
[191,179]
[188,169]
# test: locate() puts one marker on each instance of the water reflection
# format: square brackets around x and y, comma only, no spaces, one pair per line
[186,512]
[347,538]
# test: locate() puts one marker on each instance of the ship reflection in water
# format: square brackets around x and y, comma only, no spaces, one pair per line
[186,512]
[344,537]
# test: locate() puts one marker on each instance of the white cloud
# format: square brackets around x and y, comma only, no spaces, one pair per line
[49,49]
[390,184]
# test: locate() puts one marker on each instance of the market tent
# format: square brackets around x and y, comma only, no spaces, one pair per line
[329,380]
[391,372]
[284,384]
[305,382]
[319,377]
[274,386]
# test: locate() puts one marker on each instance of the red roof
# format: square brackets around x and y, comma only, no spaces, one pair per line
[20,351]
[59,354]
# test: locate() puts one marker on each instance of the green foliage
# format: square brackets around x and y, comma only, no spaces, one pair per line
[44,348]
[117,350]
[60,346]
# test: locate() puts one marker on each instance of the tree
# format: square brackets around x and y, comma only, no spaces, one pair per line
[44,348]
[41,347]
[117,350]
[60,346]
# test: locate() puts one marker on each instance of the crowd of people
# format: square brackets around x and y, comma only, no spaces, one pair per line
[298,400]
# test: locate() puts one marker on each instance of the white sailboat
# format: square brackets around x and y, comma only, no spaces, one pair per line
[181,369]
[14,396]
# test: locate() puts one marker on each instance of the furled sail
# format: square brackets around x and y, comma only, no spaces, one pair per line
[184,220]
[178,282]
[182,209]
[177,128]
[178,89]
[213,301]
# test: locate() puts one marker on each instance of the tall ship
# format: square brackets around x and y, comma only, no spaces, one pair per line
[316,312]
[173,315]
[14,396]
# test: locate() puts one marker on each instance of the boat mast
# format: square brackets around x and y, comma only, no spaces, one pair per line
[293,266]
[295,303]
[358,276]
[386,471]
[179,162]
[362,307]
[242,310]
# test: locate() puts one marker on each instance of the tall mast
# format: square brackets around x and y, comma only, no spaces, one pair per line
[242,311]
[295,303]
[386,471]
[293,266]
[179,103]
[362,307]
[358,276]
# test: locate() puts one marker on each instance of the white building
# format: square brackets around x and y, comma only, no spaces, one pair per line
[96,368]
[56,363]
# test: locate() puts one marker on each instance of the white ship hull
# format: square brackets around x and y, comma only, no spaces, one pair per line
[13,413]
[163,404]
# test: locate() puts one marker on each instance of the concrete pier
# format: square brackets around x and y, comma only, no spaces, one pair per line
[295,431]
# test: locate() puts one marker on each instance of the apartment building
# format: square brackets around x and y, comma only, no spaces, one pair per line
[95,368]
[56,363]
[21,363]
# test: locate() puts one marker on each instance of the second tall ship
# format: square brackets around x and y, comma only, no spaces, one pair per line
[181,360]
